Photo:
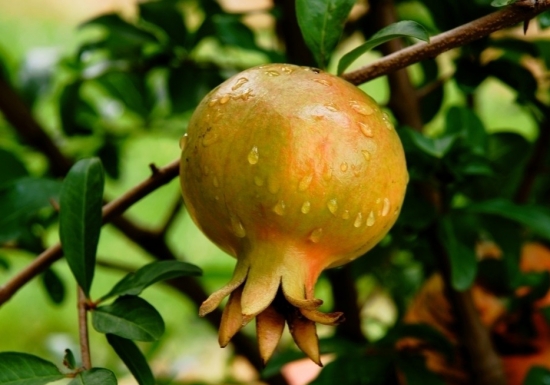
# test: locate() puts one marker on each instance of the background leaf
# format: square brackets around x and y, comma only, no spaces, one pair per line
[132,357]
[26,369]
[405,28]
[80,218]
[54,286]
[129,317]
[321,23]
[135,283]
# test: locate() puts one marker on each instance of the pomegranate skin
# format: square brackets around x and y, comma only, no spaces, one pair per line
[291,170]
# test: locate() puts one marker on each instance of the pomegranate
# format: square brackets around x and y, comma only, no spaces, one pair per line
[291,170]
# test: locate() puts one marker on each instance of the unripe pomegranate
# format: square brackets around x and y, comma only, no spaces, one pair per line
[292,171]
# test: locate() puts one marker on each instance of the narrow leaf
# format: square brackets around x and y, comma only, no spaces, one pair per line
[537,218]
[80,218]
[463,258]
[405,28]
[436,147]
[26,369]
[95,376]
[135,283]
[132,357]
[69,360]
[129,317]
[322,23]
[54,286]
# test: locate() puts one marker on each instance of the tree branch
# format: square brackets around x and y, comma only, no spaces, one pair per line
[82,303]
[446,41]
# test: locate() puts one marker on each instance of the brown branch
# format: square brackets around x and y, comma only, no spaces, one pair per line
[82,303]
[110,210]
[446,41]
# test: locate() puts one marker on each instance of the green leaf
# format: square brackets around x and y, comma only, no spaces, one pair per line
[54,286]
[80,218]
[129,317]
[132,357]
[95,376]
[26,369]
[405,28]
[12,168]
[431,102]
[538,375]
[436,147]
[75,114]
[130,88]
[36,73]
[544,20]
[537,218]
[69,360]
[22,199]
[464,122]
[463,258]
[166,16]
[187,85]
[322,23]
[135,283]
[355,369]
[128,33]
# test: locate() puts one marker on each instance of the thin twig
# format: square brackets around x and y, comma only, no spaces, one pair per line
[446,41]
[110,210]
[83,329]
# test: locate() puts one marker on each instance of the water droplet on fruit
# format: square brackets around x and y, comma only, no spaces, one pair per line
[224,99]
[362,109]
[273,185]
[358,220]
[213,102]
[345,214]
[253,155]
[247,94]
[209,138]
[332,206]
[279,208]
[386,119]
[306,207]
[366,154]
[366,130]
[239,83]
[370,219]
[316,235]
[305,182]
[287,69]
[331,107]
[238,228]
[215,182]
[272,73]
[344,166]
[183,142]
[323,82]
[258,181]
[386,207]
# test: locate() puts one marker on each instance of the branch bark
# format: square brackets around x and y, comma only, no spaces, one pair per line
[446,41]
[83,329]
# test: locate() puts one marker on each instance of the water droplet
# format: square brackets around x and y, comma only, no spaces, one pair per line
[361,108]
[345,214]
[247,94]
[239,83]
[331,107]
[272,73]
[238,228]
[323,82]
[386,207]
[209,138]
[287,69]
[358,220]
[279,208]
[370,219]
[327,174]
[386,119]
[306,207]
[183,142]
[215,182]
[258,181]
[366,154]
[332,205]
[273,185]
[344,166]
[366,130]
[316,235]
[253,155]
[224,99]
[213,102]
[305,182]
